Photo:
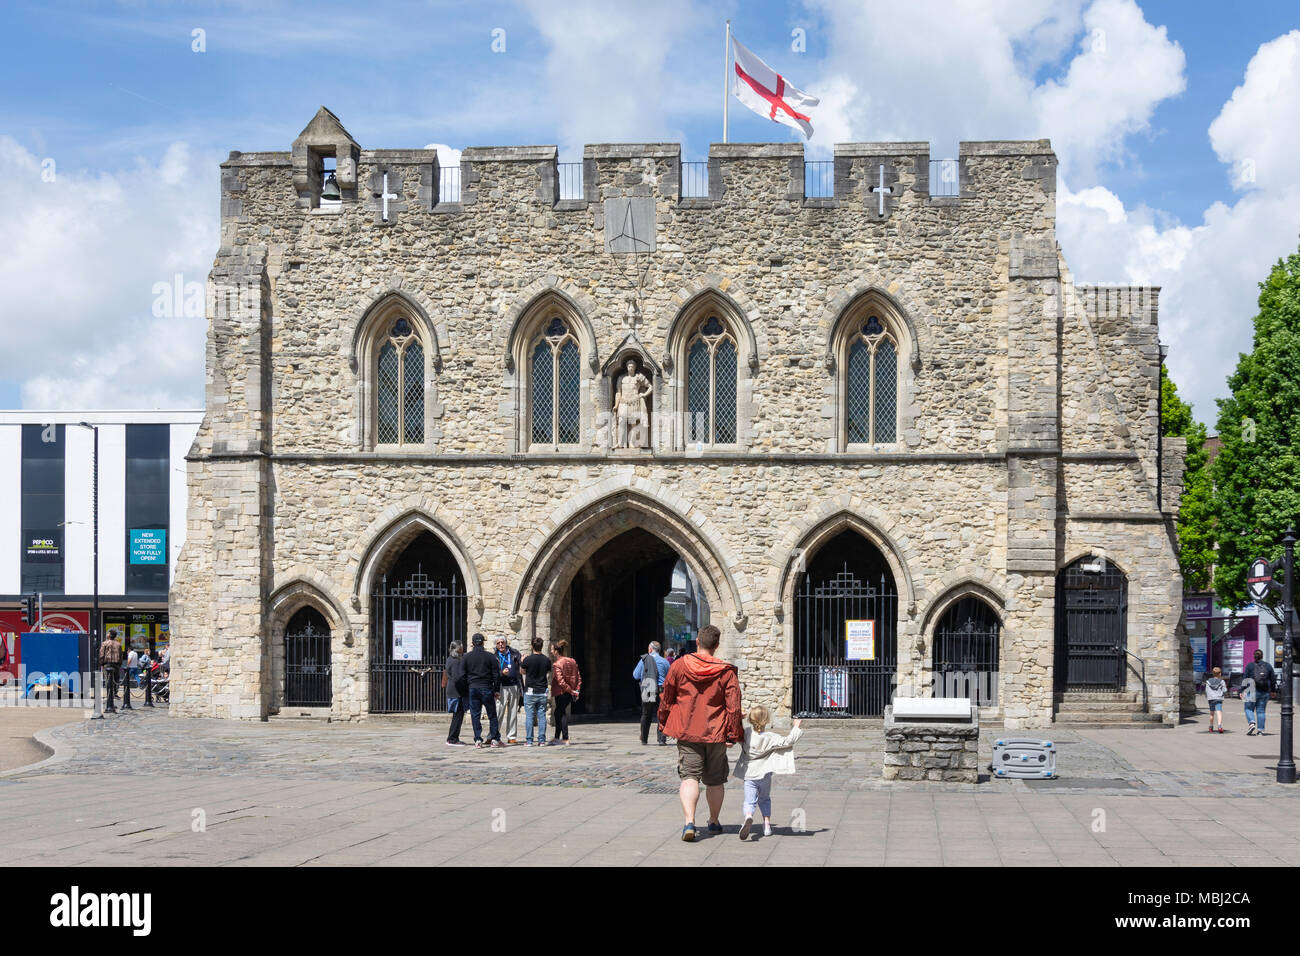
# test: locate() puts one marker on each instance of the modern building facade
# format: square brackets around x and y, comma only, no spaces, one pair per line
[47,519]
[899,450]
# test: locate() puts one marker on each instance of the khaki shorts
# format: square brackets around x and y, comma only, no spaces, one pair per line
[704,762]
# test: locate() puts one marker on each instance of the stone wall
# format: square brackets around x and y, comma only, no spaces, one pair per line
[1022,403]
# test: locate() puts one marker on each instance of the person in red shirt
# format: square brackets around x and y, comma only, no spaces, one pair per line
[566,683]
[699,706]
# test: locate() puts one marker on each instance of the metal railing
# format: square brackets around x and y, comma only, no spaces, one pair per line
[1142,675]
[695,181]
[819,179]
[570,180]
[448,184]
[945,177]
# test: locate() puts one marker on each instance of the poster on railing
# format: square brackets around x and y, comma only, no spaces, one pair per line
[859,640]
[835,688]
[407,641]
[1200,654]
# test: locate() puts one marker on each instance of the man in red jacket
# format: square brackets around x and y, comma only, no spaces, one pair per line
[699,706]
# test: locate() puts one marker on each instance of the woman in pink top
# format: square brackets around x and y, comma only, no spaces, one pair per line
[566,682]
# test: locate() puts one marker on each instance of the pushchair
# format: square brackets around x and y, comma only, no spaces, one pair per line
[158,678]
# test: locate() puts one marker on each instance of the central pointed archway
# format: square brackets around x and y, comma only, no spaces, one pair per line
[613,576]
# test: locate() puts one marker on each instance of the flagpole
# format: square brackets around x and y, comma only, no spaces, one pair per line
[726,80]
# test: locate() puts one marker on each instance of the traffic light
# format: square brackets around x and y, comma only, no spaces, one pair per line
[29,610]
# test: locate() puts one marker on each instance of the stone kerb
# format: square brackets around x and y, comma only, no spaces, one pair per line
[947,752]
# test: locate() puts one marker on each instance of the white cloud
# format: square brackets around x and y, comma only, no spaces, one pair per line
[85,251]
[972,75]
[1209,273]
[1258,131]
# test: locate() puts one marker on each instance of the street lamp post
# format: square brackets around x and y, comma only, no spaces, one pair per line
[1286,758]
[97,671]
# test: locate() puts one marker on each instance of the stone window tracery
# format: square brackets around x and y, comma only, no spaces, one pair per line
[399,391]
[555,368]
[711,384]
[871,384]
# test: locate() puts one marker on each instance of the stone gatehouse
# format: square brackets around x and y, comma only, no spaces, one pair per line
[455,400]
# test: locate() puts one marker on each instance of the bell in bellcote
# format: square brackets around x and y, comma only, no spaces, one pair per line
[331,189]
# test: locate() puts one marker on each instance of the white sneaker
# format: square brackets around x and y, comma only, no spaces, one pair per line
[767,829]
[744,830]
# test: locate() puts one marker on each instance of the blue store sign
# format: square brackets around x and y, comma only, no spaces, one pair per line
[148,546]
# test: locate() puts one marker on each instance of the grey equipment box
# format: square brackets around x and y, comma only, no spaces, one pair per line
[1018,757]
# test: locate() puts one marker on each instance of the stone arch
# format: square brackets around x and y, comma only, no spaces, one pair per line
[566,540]
[535,298]
[959,583]
[893,302]
[709,300]
[828,520]
[293,589]
[365,338]
[1085,551]
[848,312]
[713,292]
[398,525]
[539,302]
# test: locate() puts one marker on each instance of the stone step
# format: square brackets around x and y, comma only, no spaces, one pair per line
[1118,725]
[1103,695]
[1107,717]
[1097,705]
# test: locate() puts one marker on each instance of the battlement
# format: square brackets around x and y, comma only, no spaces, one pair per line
[874,179]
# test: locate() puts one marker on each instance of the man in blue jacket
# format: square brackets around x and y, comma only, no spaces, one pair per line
[650,672]
[511,690]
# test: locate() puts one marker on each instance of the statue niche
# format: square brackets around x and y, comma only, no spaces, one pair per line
[633,397]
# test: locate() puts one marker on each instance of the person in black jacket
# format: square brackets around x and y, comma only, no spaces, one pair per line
[457,693]
[1261,673]
[483,675]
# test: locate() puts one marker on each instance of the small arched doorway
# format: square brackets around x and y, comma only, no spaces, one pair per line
[417,608]
[847,583]
[1091,625]
[308,670]
[966,652]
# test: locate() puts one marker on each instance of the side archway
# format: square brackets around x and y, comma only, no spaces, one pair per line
[309,632]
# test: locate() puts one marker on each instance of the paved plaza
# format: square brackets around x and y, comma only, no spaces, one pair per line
[143,787]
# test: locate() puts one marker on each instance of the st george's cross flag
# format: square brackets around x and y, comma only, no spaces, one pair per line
[766,92]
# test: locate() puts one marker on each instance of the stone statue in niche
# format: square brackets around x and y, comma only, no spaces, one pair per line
[631,408]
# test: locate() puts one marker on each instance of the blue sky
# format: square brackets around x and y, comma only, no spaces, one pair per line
[135,121]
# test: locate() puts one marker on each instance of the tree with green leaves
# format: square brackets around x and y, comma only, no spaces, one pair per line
[1195,511]
[1256,474]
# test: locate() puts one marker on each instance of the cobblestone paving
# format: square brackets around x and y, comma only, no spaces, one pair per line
[601,755]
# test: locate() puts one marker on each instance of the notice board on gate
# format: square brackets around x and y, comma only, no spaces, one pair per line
[859,640]
[835,688]
[407,640]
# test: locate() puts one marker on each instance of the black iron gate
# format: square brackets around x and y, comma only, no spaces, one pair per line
[826,683]
[407,678]
[308,672]
[1091,628]
[966,651]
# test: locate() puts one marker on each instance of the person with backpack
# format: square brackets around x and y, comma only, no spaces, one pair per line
[1256,684]
[650,672]
[1216,688]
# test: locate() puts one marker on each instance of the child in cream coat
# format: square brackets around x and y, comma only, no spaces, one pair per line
[764,755]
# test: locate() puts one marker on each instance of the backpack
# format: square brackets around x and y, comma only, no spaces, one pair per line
[1262,684]
[649,679]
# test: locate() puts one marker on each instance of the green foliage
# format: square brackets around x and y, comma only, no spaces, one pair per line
[1256,475]
[1195,513]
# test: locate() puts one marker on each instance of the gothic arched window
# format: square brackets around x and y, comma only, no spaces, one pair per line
[399,381]
[711,384]
[871,384]
[555,369]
